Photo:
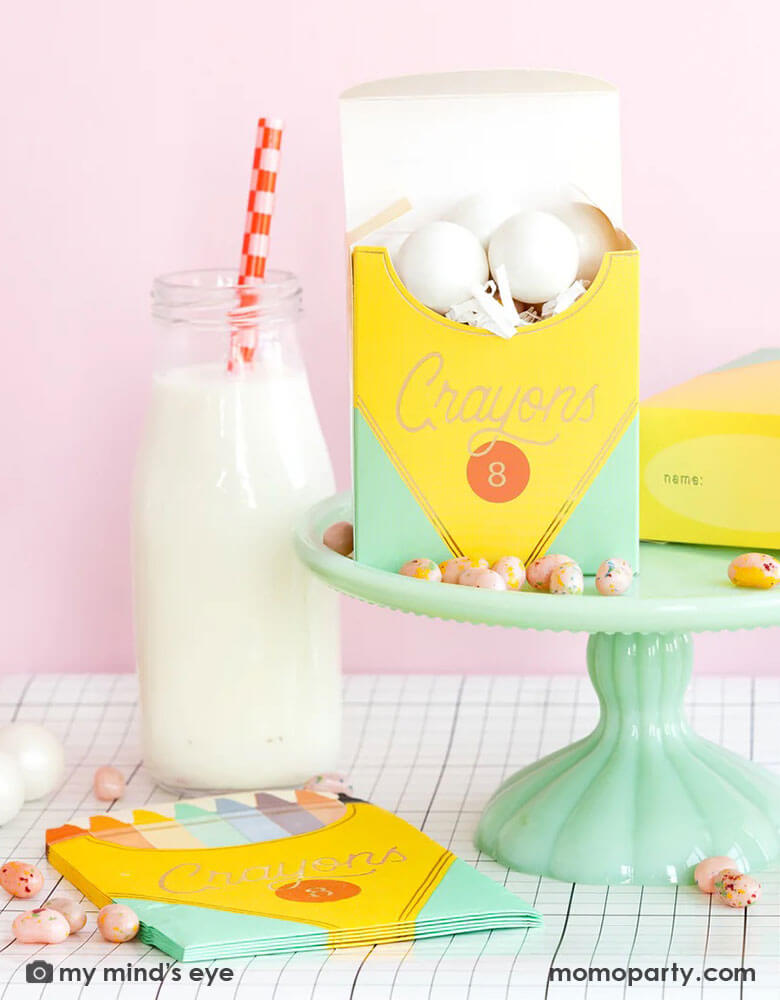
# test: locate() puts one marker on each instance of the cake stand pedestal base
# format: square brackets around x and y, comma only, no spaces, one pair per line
[641,799]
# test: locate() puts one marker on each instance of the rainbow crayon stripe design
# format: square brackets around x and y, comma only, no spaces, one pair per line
[224,821]
[207,826]
[254,826]
[164,832]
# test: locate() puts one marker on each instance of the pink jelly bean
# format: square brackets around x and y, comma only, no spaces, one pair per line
[540,570]
[452,569]
[512,571]
[117,923]
[421,569]
[566,579]
[470,575]
[73,912]
[332,784]
[704,873]
[21,879]
[108,783]
[41,926]
[488,579]
[340,538]
[613,577]
[736,889]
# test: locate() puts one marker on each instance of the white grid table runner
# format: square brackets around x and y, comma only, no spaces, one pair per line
[431,748]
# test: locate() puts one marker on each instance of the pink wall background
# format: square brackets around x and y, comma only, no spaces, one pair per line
[127,130]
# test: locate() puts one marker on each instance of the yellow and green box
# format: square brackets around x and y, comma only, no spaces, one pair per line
[466,443]
[710,457]
[469,444]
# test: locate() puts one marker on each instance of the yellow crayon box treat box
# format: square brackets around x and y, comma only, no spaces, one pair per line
[710,457]
[464,442]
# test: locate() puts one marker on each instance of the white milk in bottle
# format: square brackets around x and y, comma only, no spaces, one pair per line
[237,644]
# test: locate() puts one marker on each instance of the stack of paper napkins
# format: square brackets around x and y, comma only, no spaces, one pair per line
[274,871]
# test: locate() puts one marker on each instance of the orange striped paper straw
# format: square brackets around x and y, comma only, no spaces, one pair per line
[259,213]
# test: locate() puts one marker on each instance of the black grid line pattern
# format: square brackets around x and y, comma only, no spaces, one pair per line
[431,748]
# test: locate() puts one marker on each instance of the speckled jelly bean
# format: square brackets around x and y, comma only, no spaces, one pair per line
[567,579]
[108,784]
[754,569]
[511,570]
[41,926]
[736,889]
[340,537]
[613,577]
[452,568]
[488,579]
[706,871]
[422,569]
[117,923]
[540,570]
[21,879]
[470,575]
[73,911]
[333,784]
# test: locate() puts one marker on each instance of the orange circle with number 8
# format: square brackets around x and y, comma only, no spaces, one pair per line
[498,472]
[321,890]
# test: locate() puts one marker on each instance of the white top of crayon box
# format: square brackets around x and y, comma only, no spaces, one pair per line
[436,138]
[478,82]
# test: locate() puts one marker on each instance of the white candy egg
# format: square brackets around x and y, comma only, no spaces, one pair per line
[482,214]
[393,243]
[11,788]
[540,255]
[39,754]
[441,263]
[594,233]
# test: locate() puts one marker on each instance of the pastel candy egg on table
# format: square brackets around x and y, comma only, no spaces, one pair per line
[39,754]
[567,579]
[441,263]
[21,879]
[72,910]
[331,783]
[613,577]
[540,255]
[11,787]
[540,570]
[754,569]
[706,871]
[41,926]
[488,579]
[108,784]
[452,568]
[340,537]
[117,923]
[421,569]
[736,889]
[511,570]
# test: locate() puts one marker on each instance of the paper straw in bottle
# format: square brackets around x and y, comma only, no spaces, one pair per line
[254,249]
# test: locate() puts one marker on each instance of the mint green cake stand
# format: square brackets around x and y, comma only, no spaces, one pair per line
[641,799]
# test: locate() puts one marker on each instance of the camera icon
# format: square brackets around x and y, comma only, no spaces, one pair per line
[40,972]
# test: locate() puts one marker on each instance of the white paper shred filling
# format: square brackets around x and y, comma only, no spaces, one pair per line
[564,299]
[505,294]
[485,311]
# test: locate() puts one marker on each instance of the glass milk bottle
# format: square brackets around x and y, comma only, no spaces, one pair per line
[237,644]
